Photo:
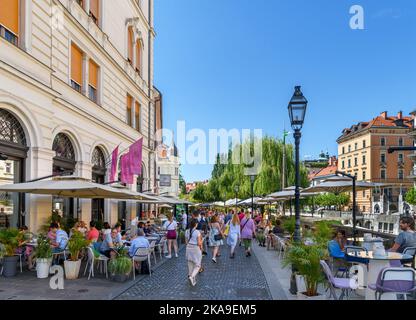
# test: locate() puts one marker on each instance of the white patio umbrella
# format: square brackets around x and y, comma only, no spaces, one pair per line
[74,187]
[232,202]
[218,204]
[247,202]
[338,184]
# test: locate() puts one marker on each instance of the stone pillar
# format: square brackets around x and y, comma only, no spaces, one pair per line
[39,207]
[85,69]
[84,170]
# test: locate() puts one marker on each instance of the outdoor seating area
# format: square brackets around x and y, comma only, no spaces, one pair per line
[24,252]
[353,272]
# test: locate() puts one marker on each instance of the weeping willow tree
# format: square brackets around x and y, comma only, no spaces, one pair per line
[229,171]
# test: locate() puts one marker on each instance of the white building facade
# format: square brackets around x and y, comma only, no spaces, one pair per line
[168,164]
[76,81]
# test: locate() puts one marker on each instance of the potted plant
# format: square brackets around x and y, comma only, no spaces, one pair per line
[120,268]
[10,239]
[305,259]
[43,256]
[75,244]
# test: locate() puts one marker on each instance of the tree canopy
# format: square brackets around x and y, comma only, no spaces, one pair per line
[227,175]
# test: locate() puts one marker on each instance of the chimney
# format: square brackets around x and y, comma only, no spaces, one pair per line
[400,115]
[384,115]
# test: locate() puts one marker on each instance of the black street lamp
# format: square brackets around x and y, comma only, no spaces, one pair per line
[297,110]
[354,203]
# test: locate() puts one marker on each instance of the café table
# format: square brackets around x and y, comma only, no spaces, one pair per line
[375,265]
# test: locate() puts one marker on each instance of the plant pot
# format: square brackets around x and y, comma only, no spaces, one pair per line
[72,269]
[10,266]
[302,296]
[119,277]
[42,268]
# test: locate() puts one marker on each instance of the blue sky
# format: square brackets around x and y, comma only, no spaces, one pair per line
[234,63]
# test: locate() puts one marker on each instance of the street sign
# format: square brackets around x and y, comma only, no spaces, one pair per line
[165,180]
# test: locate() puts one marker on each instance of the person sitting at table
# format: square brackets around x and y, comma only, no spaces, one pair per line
[277,230]
[120,238]
[93,234]
[109,243]
[138,242]
[61,238]
[334,247]
[105,230]
[147,229]
[407,238]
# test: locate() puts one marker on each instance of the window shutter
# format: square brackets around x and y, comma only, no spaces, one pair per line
[138,55]
[95,9]
[137,115]
[129,102]
[76,64]
[130,44]
[9,15]
[93,74]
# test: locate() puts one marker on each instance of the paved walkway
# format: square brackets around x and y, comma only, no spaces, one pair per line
[230,279]
[26,286]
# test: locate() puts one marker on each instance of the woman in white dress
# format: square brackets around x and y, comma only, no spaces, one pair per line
[234,234]
[193,241]
[216,231]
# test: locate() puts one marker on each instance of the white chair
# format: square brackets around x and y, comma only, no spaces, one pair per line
[161,245]
[152,249]
[283,249]
[141,254]
[91,260]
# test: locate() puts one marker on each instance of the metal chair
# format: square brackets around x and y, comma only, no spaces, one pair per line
[152,249]
[91,260]
[346,285]
[63,253]
[352,260]
[161,245]
[394,280]
[141,254]
[20,260]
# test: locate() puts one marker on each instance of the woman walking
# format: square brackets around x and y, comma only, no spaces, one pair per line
[248,231]
[193,239]
[171,226]
[234,234]
[215,237]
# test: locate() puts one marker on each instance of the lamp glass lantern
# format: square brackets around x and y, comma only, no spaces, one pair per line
[297,109]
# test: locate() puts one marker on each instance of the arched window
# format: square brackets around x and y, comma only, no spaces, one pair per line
[63,148]
[13,151]
[98,160]
[63,163]
[98,176]
[11,130]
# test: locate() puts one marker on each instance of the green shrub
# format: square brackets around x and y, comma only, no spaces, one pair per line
[76,244]
[120,265]
[11,239]
[306,260]
[43,249]
[289,225]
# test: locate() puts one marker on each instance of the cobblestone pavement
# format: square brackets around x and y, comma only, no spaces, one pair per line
[230,279]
